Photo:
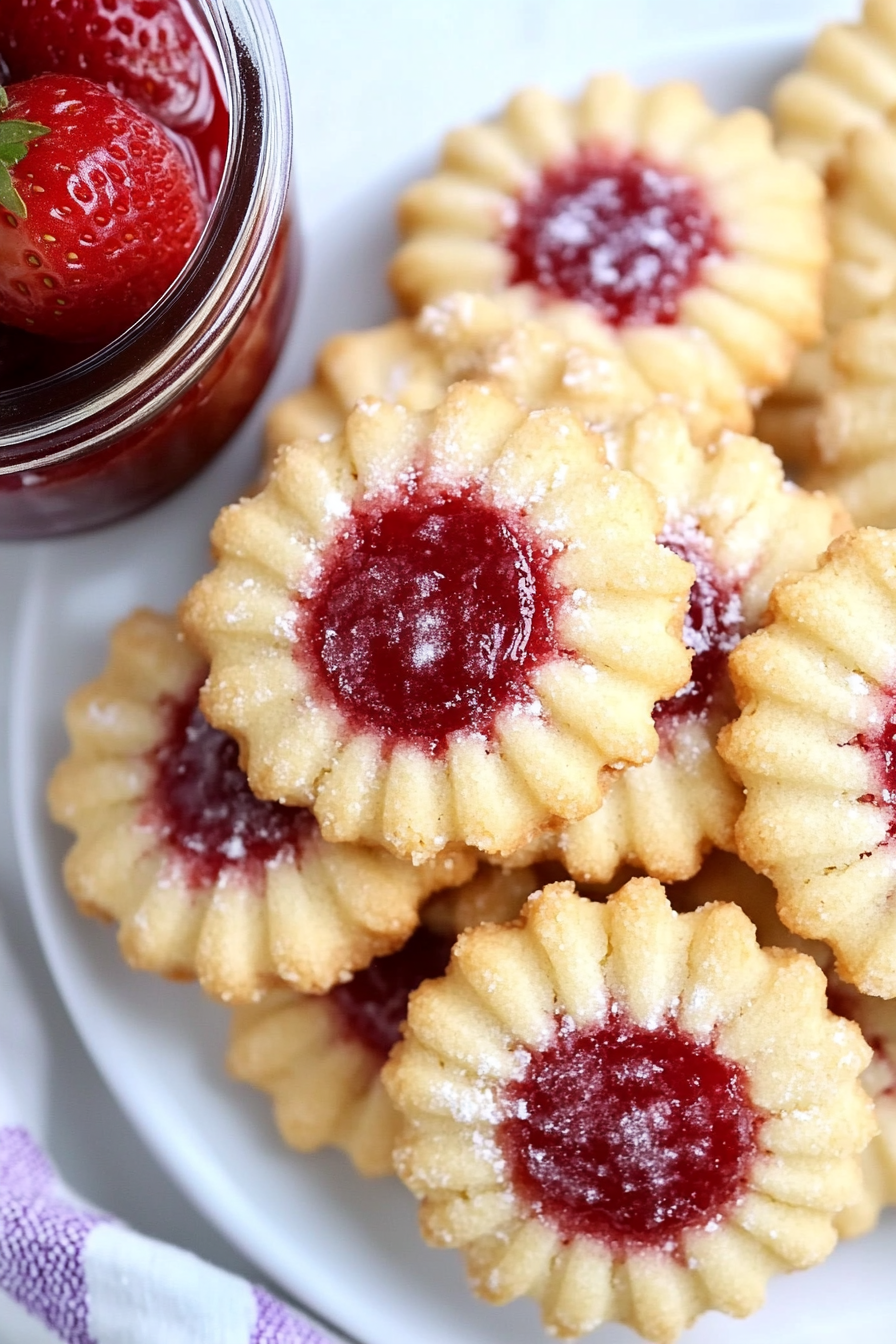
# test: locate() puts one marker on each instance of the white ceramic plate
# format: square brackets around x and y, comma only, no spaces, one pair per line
[347,1248]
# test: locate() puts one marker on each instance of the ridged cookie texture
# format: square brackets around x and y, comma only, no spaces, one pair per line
[730,512]
[804,419]
[464,336]
[384,763]
[319,1057]
[391,362]
[876,1019]
[474,336]
[752,302]
[724,877]
[146,779]
[847,80]
[813,748]
[862,223]
[512,1039]
[853,445]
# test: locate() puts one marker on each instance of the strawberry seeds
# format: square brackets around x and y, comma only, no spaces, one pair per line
[103,196]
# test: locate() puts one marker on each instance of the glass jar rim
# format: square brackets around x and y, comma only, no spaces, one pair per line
[151,366]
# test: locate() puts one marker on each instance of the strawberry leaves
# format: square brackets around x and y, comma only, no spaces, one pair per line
[113,210]
[15,137]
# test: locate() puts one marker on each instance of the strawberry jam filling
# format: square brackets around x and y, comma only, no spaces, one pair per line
[615,231]
[433,609]
[713,626]
[629,1135]
[879,742]
[203,808]
[374,1003]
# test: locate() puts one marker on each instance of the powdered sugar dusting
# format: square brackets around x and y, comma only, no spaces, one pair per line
[629,1134]
[202,808]
[878,741]
[619,233]
[714,625]
[431,608]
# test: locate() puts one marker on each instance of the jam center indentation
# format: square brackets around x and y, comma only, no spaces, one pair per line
[629,1134]
[374,1003]
[433,610]
[879,743]
[616,231]
[203,808]
[713,626]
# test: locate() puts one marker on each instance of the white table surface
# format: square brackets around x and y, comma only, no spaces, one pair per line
[373,85]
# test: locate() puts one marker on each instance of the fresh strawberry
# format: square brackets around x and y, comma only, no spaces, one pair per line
[98,210]
[144,50]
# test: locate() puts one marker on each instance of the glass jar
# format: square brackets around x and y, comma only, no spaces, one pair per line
[134,421]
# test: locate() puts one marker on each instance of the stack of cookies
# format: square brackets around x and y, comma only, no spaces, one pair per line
[524,772]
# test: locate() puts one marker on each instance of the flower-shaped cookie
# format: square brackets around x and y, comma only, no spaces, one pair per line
[847,80]
[798,420]
[393,362]
[320,1058]
[465,336]
[877,1020]
[815,747]
[205,880]
[626,1113]
[638,217]
[473,336]
[443,628]
[862,222]
[853,441]
[788,419]
[724,877]
[732,515]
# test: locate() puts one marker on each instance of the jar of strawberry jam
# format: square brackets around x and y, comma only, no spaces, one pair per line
[86,442]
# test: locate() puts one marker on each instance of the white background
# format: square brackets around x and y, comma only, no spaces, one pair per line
[373,84]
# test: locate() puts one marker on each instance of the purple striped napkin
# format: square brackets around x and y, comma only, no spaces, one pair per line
[84,1278]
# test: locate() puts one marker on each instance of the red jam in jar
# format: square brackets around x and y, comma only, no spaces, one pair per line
[629,1135]
[433,609]
[615,231]
[88,436]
